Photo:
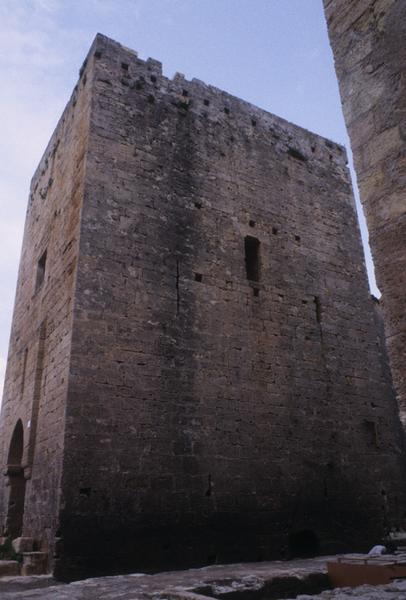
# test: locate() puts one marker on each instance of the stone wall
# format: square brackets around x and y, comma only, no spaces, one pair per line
[212,417]
[368,40]
[39,353]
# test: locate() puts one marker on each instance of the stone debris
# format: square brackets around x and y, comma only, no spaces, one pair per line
[218,581]
[190,584]
[393,591]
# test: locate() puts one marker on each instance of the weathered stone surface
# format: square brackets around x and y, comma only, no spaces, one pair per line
[9,567]
[300,575]
[38,363]
[210,379]
[368,40]
[23,544]
[34,563]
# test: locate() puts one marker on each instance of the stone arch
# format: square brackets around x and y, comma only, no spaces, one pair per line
[16,482]
[15,452]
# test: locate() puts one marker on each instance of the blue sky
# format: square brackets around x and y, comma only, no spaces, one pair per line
[273,53]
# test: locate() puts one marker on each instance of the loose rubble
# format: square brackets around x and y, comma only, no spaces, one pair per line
[198,584]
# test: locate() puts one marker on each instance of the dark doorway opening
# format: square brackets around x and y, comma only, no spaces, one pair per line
[16,480]
[303,544]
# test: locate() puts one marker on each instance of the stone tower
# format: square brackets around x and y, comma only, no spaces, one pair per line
[368,40]
[194,373]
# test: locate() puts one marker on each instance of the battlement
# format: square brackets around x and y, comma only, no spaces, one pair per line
[146,77]
[209,100]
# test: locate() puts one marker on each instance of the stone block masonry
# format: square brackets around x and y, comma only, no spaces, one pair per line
[34,401]
[225,394]
[368,40]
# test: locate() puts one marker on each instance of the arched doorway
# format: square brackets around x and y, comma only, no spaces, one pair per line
[16,482]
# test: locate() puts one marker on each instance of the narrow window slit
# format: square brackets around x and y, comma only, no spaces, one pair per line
[318,308]
[41,271]
[371,429]
[252,262]
[24,370]
[124,66]
[198,277]
[210,487]
[252,223]
[255,292]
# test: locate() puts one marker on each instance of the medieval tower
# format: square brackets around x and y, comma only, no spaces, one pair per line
[194,371]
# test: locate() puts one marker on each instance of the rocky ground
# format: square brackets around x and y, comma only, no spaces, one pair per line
[300,579]
[393,591]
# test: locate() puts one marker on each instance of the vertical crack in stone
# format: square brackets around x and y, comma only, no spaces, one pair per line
[177,288]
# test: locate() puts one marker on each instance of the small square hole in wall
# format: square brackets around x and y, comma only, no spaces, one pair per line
[97,54]
[297,238]
[253,122]
[275,230]
[185,93]
[198,277]
[255,291]
[151,99]
[198,205]
[226,110]
[251,223]
[206,102]
[153,78]
[124,66]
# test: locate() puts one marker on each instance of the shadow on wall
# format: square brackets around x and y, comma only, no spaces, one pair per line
[303,544]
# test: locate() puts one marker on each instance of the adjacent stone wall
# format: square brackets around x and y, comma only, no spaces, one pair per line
[38,363]
[368,40]
[210,417]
